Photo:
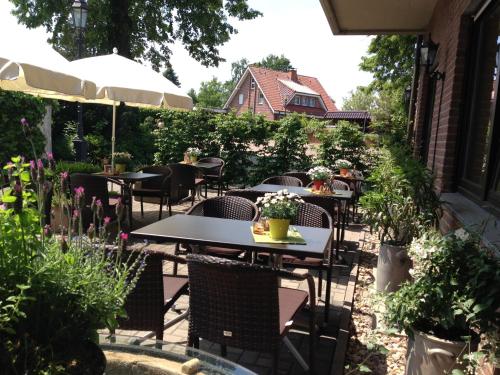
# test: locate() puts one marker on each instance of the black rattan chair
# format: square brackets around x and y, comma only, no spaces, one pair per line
[225,207]
[251,195]
[95,186]
[183,184]
[283,180]
[302,176]
[154,294]
[158,187]
[241,305]
[214,175]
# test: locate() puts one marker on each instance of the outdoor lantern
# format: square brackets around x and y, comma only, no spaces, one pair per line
[79,11]
[428,52]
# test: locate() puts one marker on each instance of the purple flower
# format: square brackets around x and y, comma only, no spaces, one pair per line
[50,156]
[79,197]
[24,122]
[39,164]
[76,214]
[47,231]
[32,164]
[107,220]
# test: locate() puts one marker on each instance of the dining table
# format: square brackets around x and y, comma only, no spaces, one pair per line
[203,166]
[129,179]
[237,234]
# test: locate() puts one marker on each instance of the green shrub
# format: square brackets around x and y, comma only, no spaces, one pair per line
[76,167]
[15,106]
[343,141]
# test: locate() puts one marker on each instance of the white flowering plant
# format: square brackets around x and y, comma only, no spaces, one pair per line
[455,292]
[342,163]
[320,173]
[280,205]
[193,151]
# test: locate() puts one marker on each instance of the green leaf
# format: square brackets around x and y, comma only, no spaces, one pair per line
[25,176]
[8,198]
[364,368]
[457,372]
[16,159]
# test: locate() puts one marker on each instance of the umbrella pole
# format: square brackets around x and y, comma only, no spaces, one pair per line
[113,139]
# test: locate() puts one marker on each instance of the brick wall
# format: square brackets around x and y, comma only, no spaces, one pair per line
[250,100]
[449,27]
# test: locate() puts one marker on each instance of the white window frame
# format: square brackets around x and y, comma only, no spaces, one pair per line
[305,101]
[261,98]
[312,102]
[241,98]
[296,100]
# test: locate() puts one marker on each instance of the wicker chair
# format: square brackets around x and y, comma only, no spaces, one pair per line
[225,207]
[344,207]
[241,305]
[158,187]
[251,195]
[183,184]
[302,176]
[95,186]
[283,180]
[214,175]
[154,294]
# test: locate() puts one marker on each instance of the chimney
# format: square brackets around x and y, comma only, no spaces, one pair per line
[293,75]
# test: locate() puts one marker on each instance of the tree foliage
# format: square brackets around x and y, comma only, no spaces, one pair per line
[361,99]
[141,29]
[170,74]
[390,60]
[275,62]
[213,93]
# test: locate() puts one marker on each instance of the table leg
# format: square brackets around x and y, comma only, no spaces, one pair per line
[130,202]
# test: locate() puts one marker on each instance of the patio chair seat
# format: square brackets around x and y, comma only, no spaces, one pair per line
[145,192]
[222,251]
[173,287]
[199,181]
[291,301]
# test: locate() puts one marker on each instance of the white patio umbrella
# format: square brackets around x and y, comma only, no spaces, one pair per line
[35,68]
[119,79]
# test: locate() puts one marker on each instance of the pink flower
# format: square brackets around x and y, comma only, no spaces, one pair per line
[124,236]
[76,214]
[24,122]
[79,191]
[98,203]
[32,164]
[64,176]
[39,164]
[50,156]
[107,220]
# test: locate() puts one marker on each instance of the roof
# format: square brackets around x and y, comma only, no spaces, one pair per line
[277,86]
[364,17]
[348,115]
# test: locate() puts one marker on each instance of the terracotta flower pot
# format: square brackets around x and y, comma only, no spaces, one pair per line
[344,171]
[278,228]
[317,184]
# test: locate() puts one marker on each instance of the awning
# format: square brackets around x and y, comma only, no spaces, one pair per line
[361,17]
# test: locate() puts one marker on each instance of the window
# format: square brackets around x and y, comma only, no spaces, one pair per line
[241,97]
[480,148]
[252,83]
[312,102]
[305,100]
[296,100]
[261,97]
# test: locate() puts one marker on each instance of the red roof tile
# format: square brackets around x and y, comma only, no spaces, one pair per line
[348,115]
[275,91]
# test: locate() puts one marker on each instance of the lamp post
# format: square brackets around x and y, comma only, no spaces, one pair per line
[79,11]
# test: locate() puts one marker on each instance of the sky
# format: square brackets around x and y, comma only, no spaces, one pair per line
[296,28]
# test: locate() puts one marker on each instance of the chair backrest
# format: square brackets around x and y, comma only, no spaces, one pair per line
[159,182]
[215,171]
[182,180]
[312,215]
[302,176]
[144,305]
[283,180]
[226,207]
[245,193]
[233,303]
[94,186]
[339,185]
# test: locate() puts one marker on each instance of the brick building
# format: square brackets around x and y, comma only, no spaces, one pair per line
[454,106]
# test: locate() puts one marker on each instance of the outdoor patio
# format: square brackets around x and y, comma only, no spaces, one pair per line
[332,343]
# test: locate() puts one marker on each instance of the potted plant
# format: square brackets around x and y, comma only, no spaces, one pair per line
[279,208]
[400,204]
[343,166]
[319,175]
[55,292]
[453,299]
[122,160]
[193,153]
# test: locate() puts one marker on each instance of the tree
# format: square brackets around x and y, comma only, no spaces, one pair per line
[361,99]
[275,62]
[192,93]
[213,93]
[390,60]
[142,30]
[237,69]
[170,74]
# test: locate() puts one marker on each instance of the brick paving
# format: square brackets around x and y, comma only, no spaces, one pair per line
[329,346]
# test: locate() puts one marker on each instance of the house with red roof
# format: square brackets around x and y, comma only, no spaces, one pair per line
[274,93]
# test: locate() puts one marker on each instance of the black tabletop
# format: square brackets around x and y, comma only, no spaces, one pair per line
[235,234]
[130,176]
[303,192]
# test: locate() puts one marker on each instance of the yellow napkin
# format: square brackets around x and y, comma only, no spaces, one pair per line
[294,237]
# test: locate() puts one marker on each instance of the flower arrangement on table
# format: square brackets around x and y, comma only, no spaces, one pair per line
[279,208]
[193,153]
[343,166]
[121,161]
[319,175]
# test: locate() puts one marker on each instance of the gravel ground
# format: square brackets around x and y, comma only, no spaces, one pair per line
[364,353]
